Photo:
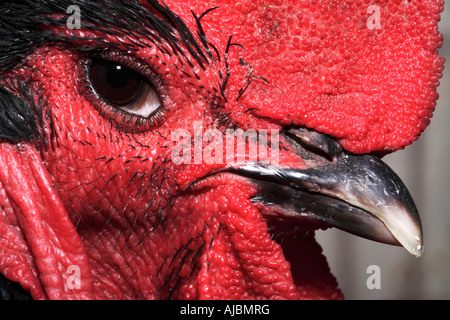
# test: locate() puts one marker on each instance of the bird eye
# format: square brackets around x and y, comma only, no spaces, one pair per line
[123,88]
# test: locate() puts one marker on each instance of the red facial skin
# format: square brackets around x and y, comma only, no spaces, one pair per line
[113,204]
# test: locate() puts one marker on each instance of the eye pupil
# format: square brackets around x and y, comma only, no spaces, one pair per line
[115,83]
[118,76]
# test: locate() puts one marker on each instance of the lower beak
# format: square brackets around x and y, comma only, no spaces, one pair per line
[359,194]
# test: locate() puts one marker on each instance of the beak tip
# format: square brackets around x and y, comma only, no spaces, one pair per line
[406,227]
[418,249]
[413,245]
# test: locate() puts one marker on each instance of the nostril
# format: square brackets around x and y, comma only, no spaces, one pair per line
[313,142]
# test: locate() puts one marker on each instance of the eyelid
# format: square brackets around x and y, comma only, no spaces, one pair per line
[134,64]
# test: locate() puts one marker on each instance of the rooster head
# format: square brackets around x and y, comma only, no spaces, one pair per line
[190,149]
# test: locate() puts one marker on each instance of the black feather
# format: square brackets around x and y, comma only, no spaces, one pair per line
[25,26]
[20,117]
[12,291]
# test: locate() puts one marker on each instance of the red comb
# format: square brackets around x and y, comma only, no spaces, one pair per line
[362,71]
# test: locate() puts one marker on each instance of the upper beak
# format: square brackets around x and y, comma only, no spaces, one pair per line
[356,193]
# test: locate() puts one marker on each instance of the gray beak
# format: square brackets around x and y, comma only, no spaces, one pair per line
[359,194]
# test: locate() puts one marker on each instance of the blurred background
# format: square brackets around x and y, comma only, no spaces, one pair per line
[424,167]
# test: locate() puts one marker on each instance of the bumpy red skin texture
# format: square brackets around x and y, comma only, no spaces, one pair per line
[373,90]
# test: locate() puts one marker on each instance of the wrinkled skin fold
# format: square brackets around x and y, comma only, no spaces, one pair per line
[96,201]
